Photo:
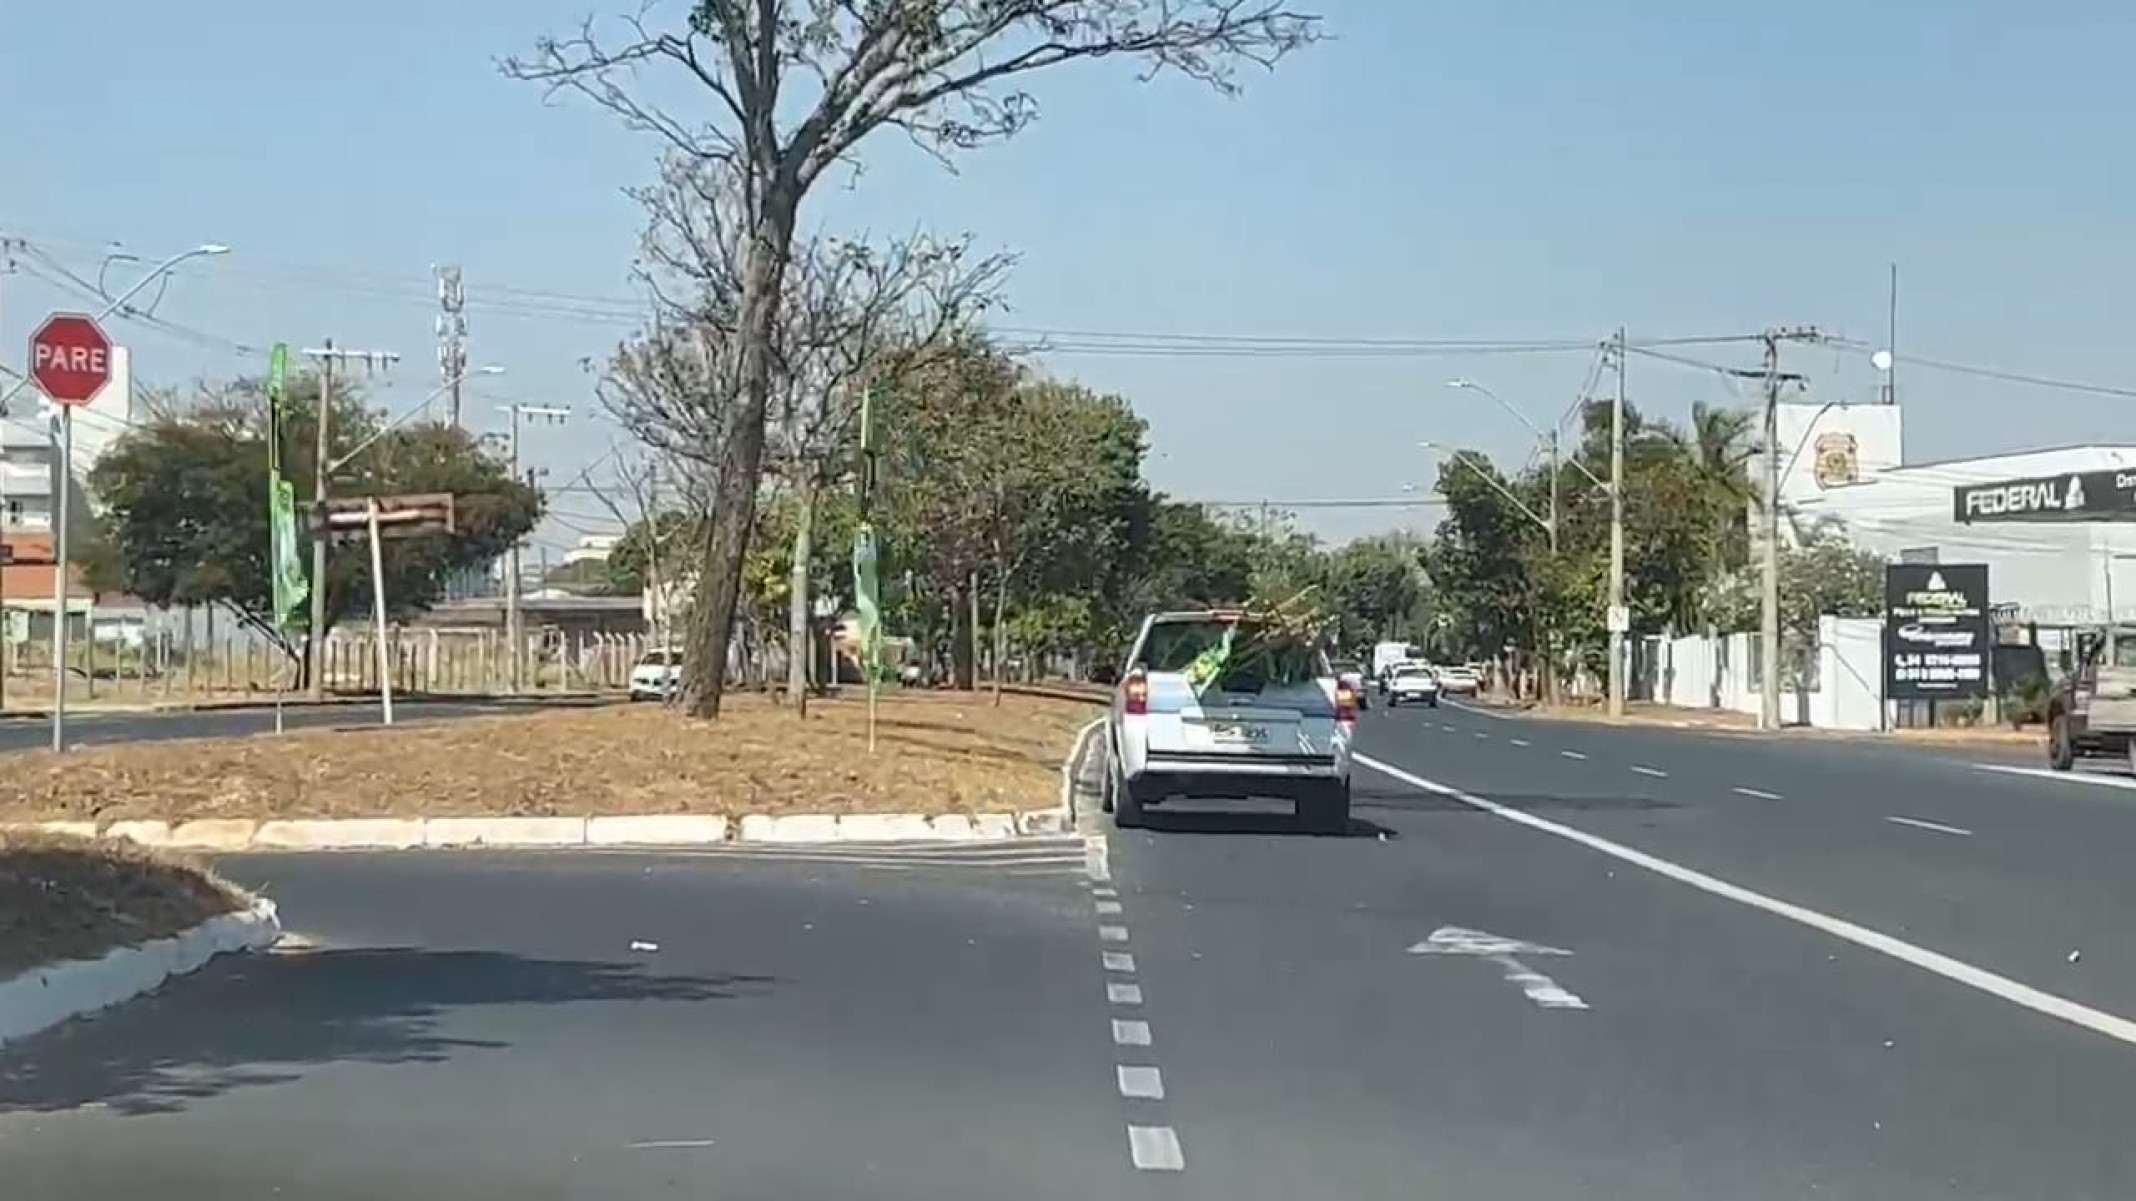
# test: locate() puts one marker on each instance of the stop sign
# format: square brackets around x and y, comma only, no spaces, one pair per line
[70,358]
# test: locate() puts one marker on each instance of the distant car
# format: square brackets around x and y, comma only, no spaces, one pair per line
[1284,734]
[1351,672]
[1459,681]
[1413,683]
[656,676]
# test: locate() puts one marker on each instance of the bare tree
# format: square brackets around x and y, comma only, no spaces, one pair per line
[787,88]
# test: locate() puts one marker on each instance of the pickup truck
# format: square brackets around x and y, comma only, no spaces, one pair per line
[1241,736]
[2093,711]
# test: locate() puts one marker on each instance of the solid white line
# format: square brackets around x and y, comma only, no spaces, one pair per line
[1118,961]
[2072,777]
[1480,710]
[1107,908]
[1655,772]
[1520,742]
[1943,965]
[670,1142]
[1572,754]
[1143,1084]
[1758,793]
[1123,994]
[1938,827]
[1112,933]
[1155,1149]
[1131,1034]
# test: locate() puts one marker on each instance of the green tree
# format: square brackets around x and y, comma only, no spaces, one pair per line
[185,509]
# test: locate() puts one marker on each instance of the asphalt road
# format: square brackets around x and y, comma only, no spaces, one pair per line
[93,728]
[1663,965]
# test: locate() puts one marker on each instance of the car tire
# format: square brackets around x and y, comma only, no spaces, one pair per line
[1127,807]
[2061,752]
[1328,813]
[1394,702]
[1110,784]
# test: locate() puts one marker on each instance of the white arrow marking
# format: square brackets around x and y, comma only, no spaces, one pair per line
[1541,989]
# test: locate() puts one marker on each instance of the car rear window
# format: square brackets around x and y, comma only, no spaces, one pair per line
[1173,645]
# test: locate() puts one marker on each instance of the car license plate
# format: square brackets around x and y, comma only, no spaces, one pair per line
[1239,732]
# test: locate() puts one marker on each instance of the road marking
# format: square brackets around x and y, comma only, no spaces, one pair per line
[2016,993]
[1141,1083]
[1104,891]
[1480,711]
[1449,729]
[1155,1149]
[1131,1034]
[1655,772]
[1097,859]
[1572,754]
[1481,734]
[1541,989]
[1112,933]
[1938,827]
[2072,777]
[1520,742]
[1123,994]
[664,1143]
[1108,907]
[1118,961]
[1760,794]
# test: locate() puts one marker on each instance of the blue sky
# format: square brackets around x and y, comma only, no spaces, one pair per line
[1432,171]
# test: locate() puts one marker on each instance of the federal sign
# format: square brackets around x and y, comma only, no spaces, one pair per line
[2108,495]
[1937,635]
[70,358]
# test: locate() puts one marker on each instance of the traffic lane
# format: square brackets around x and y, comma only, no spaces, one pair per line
[2026,878]
[477,1026]
[105,729]
[1724,1051]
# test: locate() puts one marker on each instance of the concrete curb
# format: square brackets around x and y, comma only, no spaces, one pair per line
[43,997]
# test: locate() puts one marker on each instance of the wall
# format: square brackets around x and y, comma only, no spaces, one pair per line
[1714,673]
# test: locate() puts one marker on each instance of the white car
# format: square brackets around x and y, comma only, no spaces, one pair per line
[1413,683]
[656,676]
[1245,737]
[1459,681]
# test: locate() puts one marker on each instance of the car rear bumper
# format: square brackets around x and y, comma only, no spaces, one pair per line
[1221,775]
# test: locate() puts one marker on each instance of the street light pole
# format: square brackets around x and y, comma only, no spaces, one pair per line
[1769,593]
[1618,618]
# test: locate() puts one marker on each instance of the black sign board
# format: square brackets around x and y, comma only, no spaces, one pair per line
[1936,631]
[2074,496]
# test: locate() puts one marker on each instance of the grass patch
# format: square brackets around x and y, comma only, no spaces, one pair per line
[936,753]
[68,898]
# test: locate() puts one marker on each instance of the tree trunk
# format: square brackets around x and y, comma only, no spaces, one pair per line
[741,457]
[799,639]
[961,638]
[973,593]
[1001,600]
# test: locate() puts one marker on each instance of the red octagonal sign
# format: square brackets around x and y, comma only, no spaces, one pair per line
[70,358]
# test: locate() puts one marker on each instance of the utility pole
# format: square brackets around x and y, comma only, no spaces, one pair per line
[1618,619]
[1769,592]
[315,637]
[452,334]
[514,633]
[652,550]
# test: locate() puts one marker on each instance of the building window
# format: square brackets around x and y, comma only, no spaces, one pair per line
[14,512]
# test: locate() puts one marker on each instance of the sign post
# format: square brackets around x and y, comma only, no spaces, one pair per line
[1936,632]
[375,518]
[70,361]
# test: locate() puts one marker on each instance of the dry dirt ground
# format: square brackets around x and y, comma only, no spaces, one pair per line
[935,753]
[68,898]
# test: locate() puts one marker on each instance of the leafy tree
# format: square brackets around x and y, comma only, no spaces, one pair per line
[185,506]
[785,89]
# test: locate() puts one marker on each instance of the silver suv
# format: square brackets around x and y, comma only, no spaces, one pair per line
[1265,729]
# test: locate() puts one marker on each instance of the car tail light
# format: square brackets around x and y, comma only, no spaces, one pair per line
[1136,691]
[1345,703]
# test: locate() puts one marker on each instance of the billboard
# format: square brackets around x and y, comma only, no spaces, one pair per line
[1937,635]
[2108,495]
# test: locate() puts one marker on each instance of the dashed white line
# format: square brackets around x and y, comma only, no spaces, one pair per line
[2017,993]
[1572,754]
[1938,827]
[1521,742]
[1131,1034]
[1108,908]
[1141,1083]
[1155,1149]
[1123,994]
[1758,793]
[1655,772]
[1118,961]
[1112,933]
[1449,729]
[1103,890]
[1481,734]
